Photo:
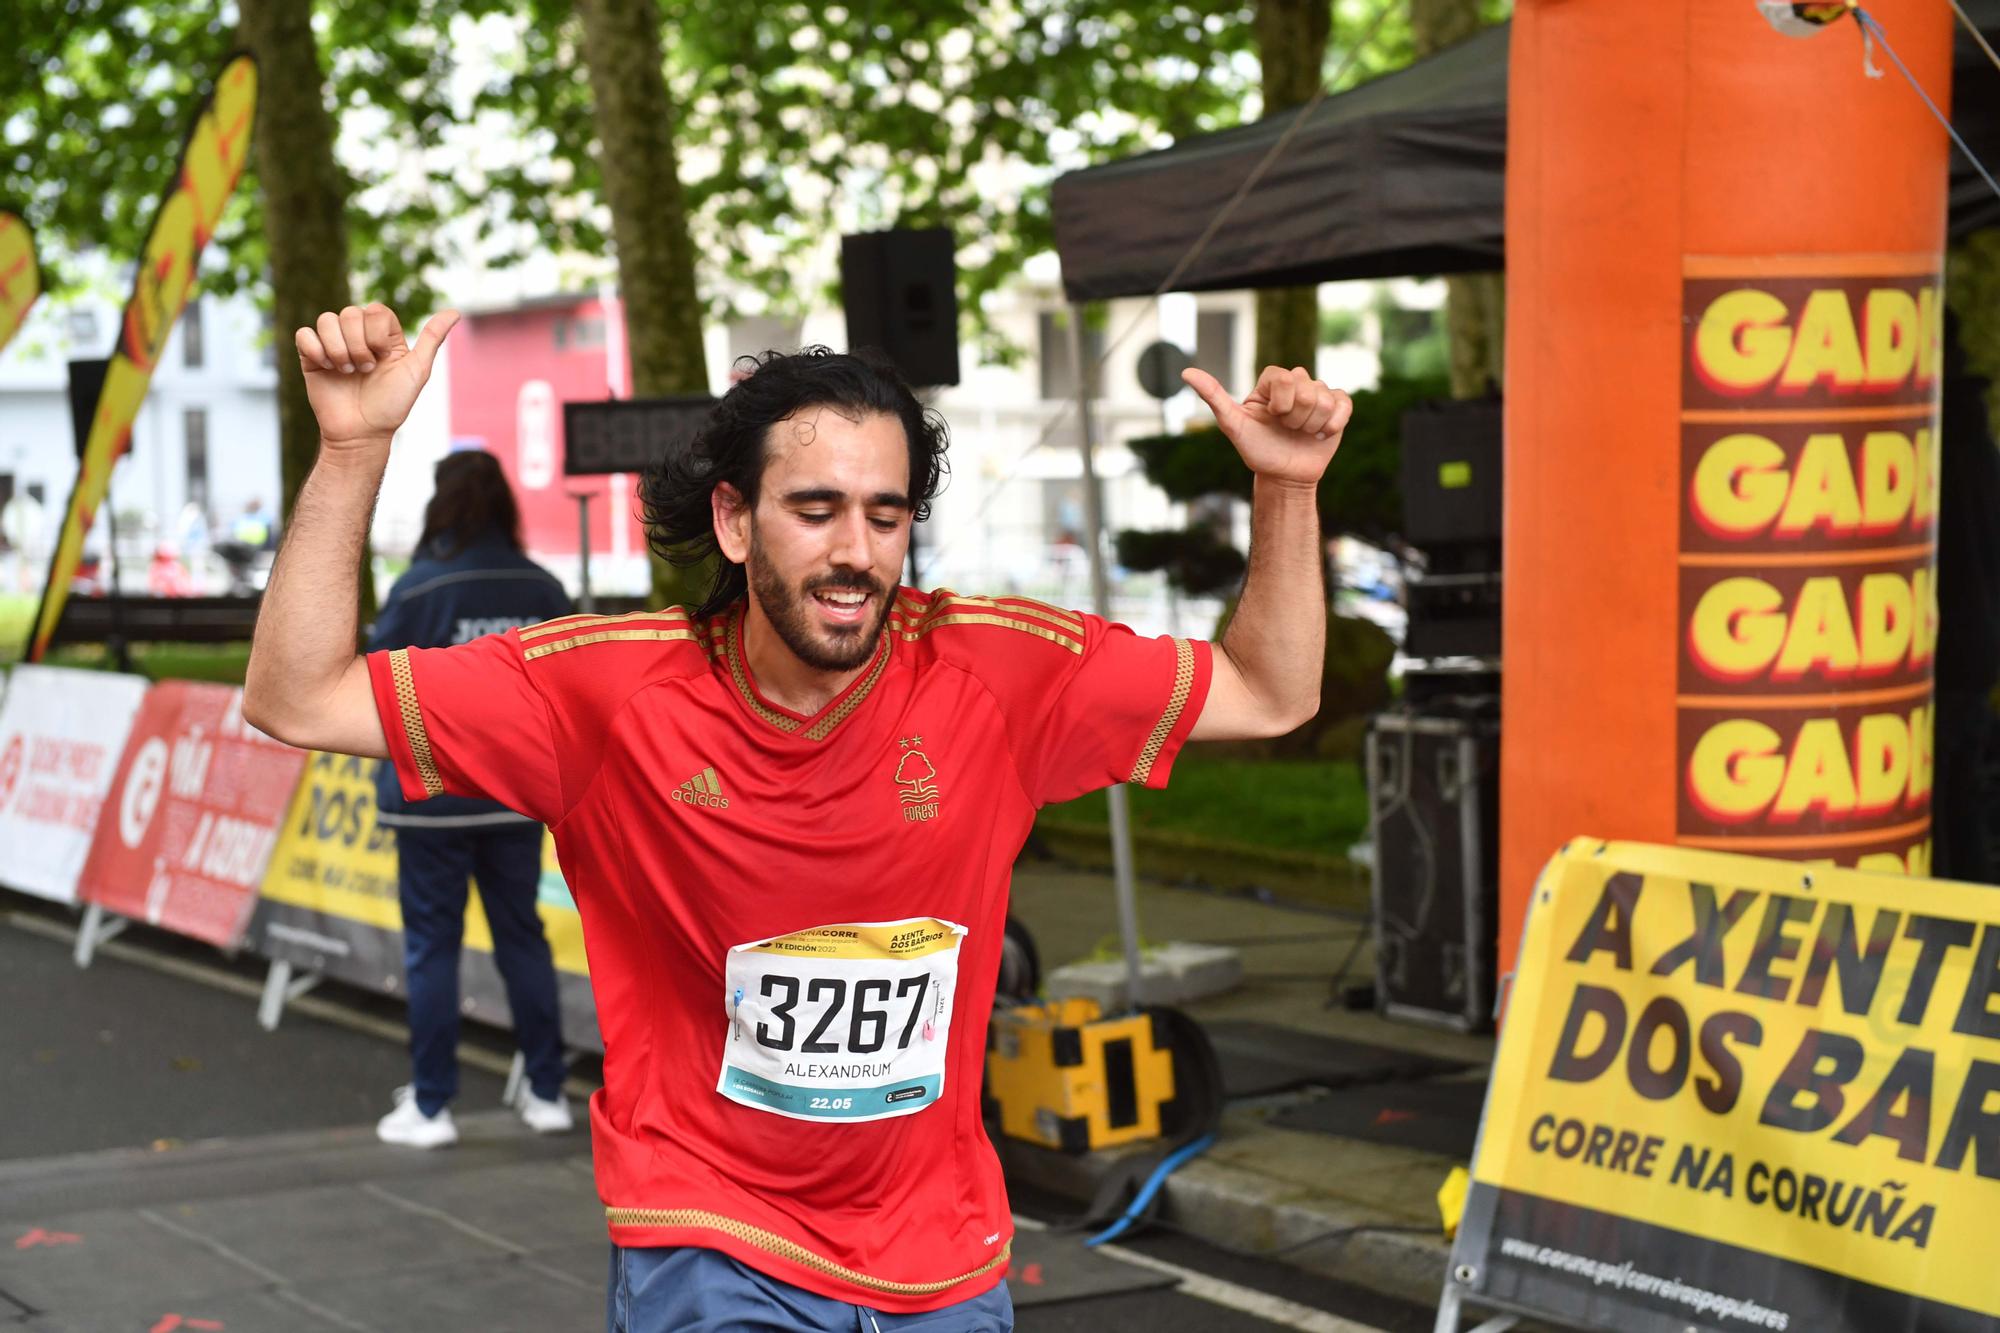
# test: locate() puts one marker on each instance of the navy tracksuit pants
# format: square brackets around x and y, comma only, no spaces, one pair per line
[434,865]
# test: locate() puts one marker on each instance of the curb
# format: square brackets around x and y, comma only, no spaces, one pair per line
[1281,1220]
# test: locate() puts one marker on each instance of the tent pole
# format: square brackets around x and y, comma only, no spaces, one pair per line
[1100,596]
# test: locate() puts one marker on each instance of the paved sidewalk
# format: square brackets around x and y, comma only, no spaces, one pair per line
[319,1230]
[272,1231]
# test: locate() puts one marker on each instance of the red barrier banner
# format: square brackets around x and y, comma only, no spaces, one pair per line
[187,831]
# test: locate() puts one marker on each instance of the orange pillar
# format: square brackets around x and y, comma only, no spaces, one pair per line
[1724,283]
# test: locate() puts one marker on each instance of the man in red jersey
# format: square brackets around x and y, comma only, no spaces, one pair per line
[788,815]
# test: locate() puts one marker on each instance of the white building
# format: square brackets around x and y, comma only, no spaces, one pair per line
[1011,518]
[206,434]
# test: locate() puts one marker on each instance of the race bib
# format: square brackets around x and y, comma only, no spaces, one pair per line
[844,1022]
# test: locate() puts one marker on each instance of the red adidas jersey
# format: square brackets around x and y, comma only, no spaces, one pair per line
[794,923]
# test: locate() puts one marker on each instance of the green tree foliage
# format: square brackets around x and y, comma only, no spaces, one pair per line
[96,98]
[1475,303]
[1972,286]
[100,94]
[1291,48]
[302,190]
[800,120]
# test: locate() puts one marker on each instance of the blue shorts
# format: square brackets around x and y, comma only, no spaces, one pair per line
[688,1289]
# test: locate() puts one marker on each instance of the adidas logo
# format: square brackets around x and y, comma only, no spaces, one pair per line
[704,788]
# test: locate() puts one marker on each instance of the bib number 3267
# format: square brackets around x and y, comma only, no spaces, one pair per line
[841,1022]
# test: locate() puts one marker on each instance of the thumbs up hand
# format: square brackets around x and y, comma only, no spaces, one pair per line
[1288,428]
[362,377]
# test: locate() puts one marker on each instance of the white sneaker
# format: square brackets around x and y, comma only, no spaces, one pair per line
[410,1127]
[544,1117]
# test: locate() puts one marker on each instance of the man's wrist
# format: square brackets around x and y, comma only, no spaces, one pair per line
[367,449]
[1285,486]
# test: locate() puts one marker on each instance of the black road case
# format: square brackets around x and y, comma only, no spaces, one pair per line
[1433,816]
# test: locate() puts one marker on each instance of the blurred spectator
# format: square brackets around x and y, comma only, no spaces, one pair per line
[252,528]
[469,578]
[167,576]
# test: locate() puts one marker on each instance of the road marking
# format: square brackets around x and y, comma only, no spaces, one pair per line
[1217,1291]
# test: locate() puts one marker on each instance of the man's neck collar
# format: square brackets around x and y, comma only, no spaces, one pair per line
[781,677]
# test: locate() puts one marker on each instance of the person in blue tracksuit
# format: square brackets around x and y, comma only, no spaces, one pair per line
[469,578]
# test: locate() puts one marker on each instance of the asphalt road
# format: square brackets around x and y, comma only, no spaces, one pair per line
[156,1045]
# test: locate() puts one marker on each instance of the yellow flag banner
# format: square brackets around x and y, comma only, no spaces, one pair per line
[1734,1093]
[20,280]
[211,164]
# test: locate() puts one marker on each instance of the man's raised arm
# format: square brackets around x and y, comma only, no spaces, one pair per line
[1267,668]
[306,684]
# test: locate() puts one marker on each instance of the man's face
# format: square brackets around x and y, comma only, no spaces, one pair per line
[825,545]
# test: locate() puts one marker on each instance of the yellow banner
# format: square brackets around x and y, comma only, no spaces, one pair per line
[893,941]
[211,164]
[1798,1061]
[333,857]
[20,280]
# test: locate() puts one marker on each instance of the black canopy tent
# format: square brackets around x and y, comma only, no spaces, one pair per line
[1403,175]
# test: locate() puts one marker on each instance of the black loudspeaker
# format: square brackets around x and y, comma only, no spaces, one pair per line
[1451,473]
[1434,815]
[900,289]
[1451,509]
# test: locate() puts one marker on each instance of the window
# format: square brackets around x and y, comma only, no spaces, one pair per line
[1215,344]
[191,348]
[1058,367]
[82,327]
[579,333]
[195,422]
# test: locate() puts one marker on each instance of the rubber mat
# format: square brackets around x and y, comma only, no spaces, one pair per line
[1051,1266]
[1439,1116]
[1261,1058]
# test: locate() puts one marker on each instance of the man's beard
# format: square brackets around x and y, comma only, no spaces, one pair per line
[790,612]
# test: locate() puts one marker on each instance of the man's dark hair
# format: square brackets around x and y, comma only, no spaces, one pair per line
[472,502]
[674,493]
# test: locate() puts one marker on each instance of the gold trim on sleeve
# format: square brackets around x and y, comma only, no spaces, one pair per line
[772,1243]
[934,621]
[1183,686]
[413,721]
[606,636]
[672,615]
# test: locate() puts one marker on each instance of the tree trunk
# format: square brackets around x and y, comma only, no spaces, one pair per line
[1291,43]
[1475,303]
[305,225]
[642,186]
[305,198]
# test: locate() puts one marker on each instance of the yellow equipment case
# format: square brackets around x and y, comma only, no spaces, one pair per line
[1061,1075]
